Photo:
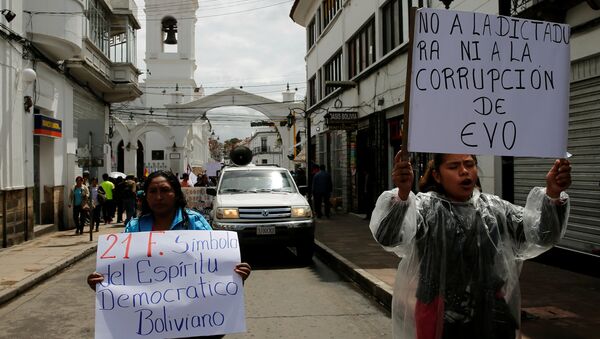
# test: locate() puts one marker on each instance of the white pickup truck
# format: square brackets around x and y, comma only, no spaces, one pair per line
[264,206]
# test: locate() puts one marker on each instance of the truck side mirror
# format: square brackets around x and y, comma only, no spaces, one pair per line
[211,191]
[303,189]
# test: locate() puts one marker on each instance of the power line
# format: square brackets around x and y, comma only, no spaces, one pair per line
[230,13]
[143,15]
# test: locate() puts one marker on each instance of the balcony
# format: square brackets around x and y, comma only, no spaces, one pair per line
[116,82]
[58,36]
[266,150]
[547,10]
[96,45]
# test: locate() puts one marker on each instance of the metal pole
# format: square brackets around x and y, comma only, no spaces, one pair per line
[90,210]
[308,169]
[4,234]
[26,213]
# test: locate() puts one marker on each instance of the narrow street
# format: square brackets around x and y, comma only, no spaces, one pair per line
[283,300]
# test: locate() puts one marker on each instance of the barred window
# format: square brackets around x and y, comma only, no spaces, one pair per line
[312,91]
[330,9]
[391,25]
[311,31]
[332,71]
[361,49]
[123,45]
[98,25]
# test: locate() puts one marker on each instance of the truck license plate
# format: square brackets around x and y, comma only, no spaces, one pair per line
[264,230]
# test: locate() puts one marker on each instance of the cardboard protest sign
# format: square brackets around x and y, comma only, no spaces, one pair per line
[169,284]
[197,198]
[488,84]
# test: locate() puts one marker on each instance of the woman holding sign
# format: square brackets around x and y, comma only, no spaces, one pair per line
[462,249]
[163,209]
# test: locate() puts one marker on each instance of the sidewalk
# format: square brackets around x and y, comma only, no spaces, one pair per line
[24,265]
[557,303]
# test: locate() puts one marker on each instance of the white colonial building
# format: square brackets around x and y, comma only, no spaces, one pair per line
[356,57]
[167,127]
[64,62]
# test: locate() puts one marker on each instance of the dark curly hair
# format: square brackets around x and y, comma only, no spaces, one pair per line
[180,201]
[427,182]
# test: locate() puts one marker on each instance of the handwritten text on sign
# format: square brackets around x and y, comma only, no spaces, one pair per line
[488,84]
[169,284]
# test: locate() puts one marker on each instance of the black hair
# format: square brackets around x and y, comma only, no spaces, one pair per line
[180,201]
[428,183]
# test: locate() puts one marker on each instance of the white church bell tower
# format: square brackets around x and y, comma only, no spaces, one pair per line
[170,50]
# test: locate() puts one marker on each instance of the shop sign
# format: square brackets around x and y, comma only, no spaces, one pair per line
[45,126]
[342,120]
[93,162]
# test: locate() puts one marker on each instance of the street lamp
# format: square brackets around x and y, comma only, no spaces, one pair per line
[8,14]
[291,119]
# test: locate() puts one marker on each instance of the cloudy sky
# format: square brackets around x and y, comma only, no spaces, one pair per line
[249,43]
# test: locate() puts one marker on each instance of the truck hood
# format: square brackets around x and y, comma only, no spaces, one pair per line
[260,200]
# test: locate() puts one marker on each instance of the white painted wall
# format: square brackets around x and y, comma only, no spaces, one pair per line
[586,43]
[12,118]
[55,99]
[62,33]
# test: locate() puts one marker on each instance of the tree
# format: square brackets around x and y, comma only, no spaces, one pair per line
[230,144]
[216,149]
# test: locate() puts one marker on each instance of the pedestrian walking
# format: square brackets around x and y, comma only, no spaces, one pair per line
[96,203]
[79,201]
[118,198]
[322,187]
[462,249]
[108,211]
[128,196]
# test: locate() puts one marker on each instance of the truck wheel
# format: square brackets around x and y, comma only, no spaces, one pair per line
[305,251]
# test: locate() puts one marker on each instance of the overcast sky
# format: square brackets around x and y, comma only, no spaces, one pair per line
[249,43]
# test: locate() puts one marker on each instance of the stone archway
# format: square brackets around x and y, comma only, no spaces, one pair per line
[130,158]
[273,110]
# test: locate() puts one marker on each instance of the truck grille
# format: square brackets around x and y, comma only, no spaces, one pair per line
[265,212]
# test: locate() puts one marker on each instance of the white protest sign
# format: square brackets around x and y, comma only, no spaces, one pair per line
[488,84]
[169,284]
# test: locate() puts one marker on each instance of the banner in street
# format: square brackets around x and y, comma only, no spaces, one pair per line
[488,84]
[169,284]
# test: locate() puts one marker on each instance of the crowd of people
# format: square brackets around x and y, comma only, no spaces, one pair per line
[106,201]
[114,199]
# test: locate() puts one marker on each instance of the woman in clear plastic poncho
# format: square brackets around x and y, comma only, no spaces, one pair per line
[462,249]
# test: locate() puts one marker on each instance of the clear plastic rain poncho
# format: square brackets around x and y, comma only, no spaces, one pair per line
[459,276]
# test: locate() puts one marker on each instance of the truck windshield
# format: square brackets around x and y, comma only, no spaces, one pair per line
[256,182]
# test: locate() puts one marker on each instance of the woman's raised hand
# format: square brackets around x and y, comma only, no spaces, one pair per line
[243,269]
[558,178]
[402,176]
[93,279]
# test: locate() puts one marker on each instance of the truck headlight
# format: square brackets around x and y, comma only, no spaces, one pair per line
[301,212]
[227,213]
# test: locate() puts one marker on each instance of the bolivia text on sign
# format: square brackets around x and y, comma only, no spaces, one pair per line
[168,285]
[488,84]
[342,120]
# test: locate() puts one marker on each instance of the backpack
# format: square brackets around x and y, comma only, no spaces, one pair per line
[101,195]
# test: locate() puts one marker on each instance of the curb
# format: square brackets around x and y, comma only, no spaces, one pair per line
[375,287]
[26,284]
